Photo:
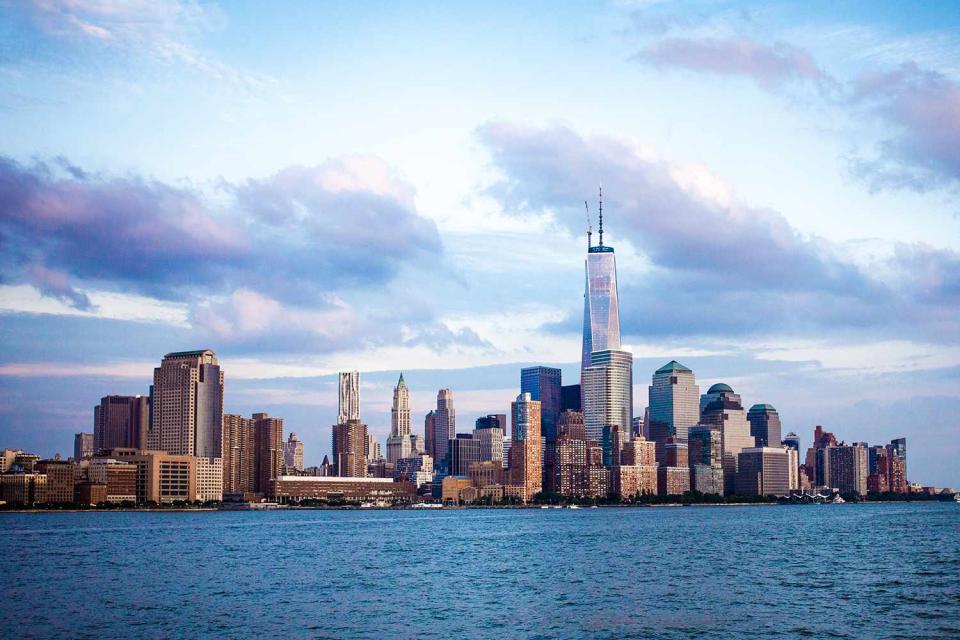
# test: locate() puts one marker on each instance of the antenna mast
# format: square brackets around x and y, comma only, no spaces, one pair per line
[601,215]
[589,226]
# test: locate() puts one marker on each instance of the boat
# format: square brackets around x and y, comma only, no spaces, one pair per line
[573,506]
[544,507]
[956,497]
[426,505]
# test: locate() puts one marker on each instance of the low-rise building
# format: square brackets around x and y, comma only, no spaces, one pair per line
[673,481]
[60,480]
[336,488]
[23,489]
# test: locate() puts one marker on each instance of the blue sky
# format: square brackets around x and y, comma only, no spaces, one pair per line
[399,186]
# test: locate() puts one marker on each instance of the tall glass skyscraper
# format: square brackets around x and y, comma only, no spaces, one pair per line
[601,310]
[543,385]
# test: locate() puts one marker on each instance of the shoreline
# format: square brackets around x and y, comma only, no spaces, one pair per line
[446,508]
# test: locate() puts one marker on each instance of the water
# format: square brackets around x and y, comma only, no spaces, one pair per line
[887,570]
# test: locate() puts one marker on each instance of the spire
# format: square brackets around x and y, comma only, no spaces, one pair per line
[601,215]
[589,227]
[400,381]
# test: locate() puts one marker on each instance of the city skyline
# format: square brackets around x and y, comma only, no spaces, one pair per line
[779,185]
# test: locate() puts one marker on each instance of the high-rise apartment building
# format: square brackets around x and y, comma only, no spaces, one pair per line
[348,405]
[445,427]
[673,404]
[349,449]
[293,453]
[430,432]
[83,446]
[121,421]
[526,450]
[239,455]
[849,468]
[764,425]
[269,457]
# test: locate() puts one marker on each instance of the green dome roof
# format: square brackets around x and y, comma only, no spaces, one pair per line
[763,407]
[720,386]
[673,365]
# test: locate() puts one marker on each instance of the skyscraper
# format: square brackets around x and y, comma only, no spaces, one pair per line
[430,433]
[349,449]
[608,393]
[268,433]
[791,440]
[489,433]
[293,453]
[349,396]
[462,451]
[726,413]
[570,398]
[400,444]
[400,413]
[601,309]
[673,405]
[763,471]
[121,421]
[526,450]
[186,408]
[764,425]
[239,455]
[445,427]
[543,385]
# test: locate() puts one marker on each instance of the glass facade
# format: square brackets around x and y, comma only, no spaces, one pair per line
[601,309]
[543,385]
[608,393]
[674,400]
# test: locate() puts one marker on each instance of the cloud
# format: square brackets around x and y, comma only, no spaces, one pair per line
[922,108]
[769,66]
[163,30]
[717,267]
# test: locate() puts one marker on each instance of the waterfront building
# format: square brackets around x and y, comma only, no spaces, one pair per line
[763,471]
[793,466]
[348,404]
[706,478]
[239,455]
[570,456]
[849,468]
[764,425]
[599,482]
[161,477]
[121,421]
[445,427]
[673,481]
[60,480]
[286,489]
[726,413]
[8,459]
[293,453]
[24,489]
[570,398]
[608,393]
[82,446]
[526,451]
[187,405]
[705,445]
[457,490]
[89,493]
[186,415]
[118,476]
[349,449]
[630,480]
[673,404]
[489,433]
[485,473]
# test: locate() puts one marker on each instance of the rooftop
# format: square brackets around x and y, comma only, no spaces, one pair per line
[763,407]
[720,386]
[673,365]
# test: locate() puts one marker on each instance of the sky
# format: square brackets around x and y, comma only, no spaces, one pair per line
[314,187]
